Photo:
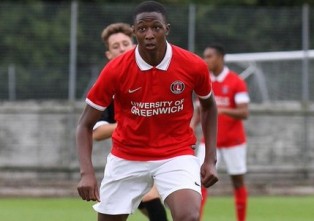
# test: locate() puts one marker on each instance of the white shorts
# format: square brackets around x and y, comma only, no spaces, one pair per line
[126,182]
[234,158]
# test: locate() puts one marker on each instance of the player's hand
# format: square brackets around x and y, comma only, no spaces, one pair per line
[208,174]
[88,188]
[221,110]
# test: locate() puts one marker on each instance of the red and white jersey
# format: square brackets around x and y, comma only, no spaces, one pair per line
[229,90]
[153,105]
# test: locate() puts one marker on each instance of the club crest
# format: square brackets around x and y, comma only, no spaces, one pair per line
[177,87]
[225,89]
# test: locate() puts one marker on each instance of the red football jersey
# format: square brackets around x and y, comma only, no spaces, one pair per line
[153,105]
[229,90]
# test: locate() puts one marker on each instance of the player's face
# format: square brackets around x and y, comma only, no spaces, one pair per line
[150,30]
[118,44]
[212,58]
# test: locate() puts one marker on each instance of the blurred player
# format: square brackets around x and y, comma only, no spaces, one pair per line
[118,39]
[232,101]
[152,87]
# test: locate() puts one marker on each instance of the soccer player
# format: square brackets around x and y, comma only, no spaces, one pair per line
[118,39]
[232,101]
[153,142]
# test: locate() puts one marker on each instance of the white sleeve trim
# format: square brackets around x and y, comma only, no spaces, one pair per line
[206,96]
[241,98]
[96,106]
[99,123]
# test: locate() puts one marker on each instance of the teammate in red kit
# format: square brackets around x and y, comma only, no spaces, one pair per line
[153,142]
[232,101]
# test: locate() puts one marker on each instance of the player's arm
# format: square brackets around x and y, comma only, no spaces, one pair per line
[196,119]
[208,114]
[87,187]
[241,111]
[104,131]
[241,99]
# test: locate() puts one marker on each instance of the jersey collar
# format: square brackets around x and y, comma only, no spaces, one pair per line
[163,65]
[221,76]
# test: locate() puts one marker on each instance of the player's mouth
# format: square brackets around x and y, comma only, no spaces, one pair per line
[150,46]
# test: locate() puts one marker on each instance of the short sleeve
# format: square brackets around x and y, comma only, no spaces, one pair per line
[241,95]
[203,85]
[101,94]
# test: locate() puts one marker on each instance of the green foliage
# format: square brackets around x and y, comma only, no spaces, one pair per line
[180,2]
[26,26]
[35,37]
[215,2]
[243,29]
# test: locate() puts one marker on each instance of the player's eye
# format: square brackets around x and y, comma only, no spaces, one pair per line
[126,43]
[141,29]
[157,28]
[115,46]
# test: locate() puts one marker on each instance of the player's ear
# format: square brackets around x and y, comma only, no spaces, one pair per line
[167,29]
[108,55]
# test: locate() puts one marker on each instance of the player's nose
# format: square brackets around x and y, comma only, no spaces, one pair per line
[149,34]
[122,49]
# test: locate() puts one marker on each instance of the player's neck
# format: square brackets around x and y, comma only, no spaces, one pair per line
[153,57]
[218,70]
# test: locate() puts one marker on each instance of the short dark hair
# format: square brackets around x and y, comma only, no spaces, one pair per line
[218,47]
[150,6]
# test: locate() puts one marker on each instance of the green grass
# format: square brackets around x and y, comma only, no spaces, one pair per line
[217,208]
[284,208]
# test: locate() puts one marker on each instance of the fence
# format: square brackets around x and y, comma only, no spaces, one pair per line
[58,51]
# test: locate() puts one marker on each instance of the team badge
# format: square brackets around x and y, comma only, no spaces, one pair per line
[225,89]
[177,87]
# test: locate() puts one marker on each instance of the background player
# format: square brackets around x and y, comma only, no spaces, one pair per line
[232,101]
[153,141]
[118,39]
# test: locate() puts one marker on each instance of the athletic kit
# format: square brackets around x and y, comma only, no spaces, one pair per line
[144,150]
[229,90]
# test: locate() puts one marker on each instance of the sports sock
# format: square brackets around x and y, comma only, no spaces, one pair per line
[203,202]
[156,211]
[141,206]
[240,195]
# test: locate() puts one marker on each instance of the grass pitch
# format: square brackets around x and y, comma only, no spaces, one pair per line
[283,208]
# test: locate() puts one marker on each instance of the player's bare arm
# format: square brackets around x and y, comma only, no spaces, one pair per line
[87,187]
[196,119]
[241,111]
[208,111]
